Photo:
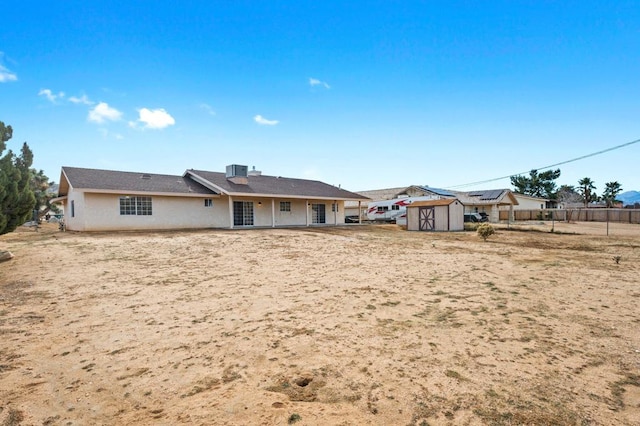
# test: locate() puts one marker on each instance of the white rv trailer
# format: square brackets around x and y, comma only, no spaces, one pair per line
[395,210]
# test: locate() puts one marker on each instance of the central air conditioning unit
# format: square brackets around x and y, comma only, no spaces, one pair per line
[236,170]
[238,174]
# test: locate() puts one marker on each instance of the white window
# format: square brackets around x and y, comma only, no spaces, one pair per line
[334,207]
[139,206]
[285,206]
[208,202]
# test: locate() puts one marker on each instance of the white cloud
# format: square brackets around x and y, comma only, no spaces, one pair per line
[103,112]
[263,121]
[80,100]
[154,118]
[208,109]
[47,93]
[315,82]
[6,75]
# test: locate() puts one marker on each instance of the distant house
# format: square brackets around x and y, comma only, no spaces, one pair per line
[528,202]
[489,202]
[99,200]
[485,201]
[446,214]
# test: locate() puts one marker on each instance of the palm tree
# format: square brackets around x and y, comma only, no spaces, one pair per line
[587,189]
[611,190]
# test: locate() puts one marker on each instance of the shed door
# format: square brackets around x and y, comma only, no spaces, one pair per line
[427,218]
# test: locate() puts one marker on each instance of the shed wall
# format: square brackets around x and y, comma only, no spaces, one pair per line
[446,218]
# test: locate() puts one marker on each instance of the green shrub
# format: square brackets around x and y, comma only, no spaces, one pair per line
[485,230]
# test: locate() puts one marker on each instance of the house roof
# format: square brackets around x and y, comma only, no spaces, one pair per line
[434,203]
[196,183]
[487,197]
[382,194]
[266,186]
[111,181]
[435,191]
[472,198]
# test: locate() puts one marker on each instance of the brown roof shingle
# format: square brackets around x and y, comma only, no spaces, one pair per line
[275,185]
[197,182]
[112,181]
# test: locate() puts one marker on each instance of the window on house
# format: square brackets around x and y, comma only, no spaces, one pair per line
[208,202]
[334,207]
[139,206]
[285,206]
[73,208]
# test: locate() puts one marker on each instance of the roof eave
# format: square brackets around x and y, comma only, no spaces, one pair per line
[156,193]
[300,197]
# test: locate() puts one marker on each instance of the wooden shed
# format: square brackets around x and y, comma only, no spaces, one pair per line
[436,215]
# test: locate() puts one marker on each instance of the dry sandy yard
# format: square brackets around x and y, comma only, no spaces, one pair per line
[334,326]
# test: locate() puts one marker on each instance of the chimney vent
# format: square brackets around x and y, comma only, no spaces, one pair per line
[255,172]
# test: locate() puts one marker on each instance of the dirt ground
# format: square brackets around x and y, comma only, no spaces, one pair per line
[358,325]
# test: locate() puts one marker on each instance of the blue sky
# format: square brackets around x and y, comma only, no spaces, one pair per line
[361,94]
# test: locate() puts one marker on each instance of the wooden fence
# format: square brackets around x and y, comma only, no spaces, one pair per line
[576,215]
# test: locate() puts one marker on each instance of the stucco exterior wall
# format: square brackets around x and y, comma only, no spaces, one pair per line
[101,212]
[74,216]
[526,203]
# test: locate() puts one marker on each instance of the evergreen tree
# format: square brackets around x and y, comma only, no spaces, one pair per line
[40,186]
[537,184]
[16,197]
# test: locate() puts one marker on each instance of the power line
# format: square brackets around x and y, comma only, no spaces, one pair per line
[548,167]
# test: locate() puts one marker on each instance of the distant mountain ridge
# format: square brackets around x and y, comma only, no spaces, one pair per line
[629,197]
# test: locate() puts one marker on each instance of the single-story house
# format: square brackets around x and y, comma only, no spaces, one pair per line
[446,214]
[528,202]
[100,200]
[354,210]
[488,201]
[484,201]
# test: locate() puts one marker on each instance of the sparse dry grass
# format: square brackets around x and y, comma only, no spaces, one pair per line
[352,325]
